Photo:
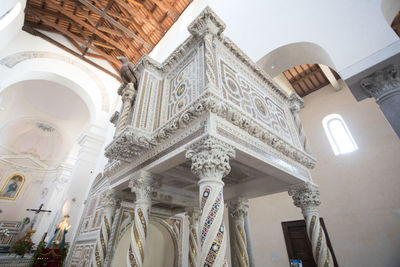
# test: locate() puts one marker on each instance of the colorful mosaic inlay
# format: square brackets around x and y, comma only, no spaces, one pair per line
[103,245]
[181,89]
[107,226]
[97,256]
[211,216]
[206,193]
[132,258]
[216,245]
[142,220]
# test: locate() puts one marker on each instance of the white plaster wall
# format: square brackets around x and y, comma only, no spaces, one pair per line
[349,30]
[359,191]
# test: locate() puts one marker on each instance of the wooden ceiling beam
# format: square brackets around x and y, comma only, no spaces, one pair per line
[70,34]
[167,7]
[116,24]
[157,26]
[32,31]
[80,21]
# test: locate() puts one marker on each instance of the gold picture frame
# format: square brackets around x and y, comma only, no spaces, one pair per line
[16,192]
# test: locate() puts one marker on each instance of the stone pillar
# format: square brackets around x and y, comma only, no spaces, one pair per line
[141,184]
[249,241]
[306,197]
[128,97]
[109,203]
[296,104]
[384,86]
[238,210]
[110,246]
[210,162]
[193,216]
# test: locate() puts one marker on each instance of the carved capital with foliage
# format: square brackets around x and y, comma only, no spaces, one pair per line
[142,184]
[305,195]
[238,208]
[382,82]
[210,158]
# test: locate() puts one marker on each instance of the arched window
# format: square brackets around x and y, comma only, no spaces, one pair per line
[12,186]
[338,134]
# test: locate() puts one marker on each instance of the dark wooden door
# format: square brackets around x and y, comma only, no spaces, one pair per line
[298,245]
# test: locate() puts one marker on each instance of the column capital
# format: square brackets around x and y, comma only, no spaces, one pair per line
[382,82]
[109,199]
[210,158]
[296,103]
[305,195]
[238,207]
[128,92]
[142,184]
[193,214]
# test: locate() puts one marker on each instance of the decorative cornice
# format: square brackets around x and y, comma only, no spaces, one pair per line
[207,22]
[210,158]
[305,195]
[382,82]
[129,143]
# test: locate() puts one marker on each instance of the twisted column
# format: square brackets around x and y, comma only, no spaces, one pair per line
[306,197]
[296,104]
[141,185]
[238,210]
[193,216]
[128,96]
[210,162]
[108,203]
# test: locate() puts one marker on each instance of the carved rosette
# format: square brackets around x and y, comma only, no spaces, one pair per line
[193,216]
[210,162]
[109,203]
[238,210]
[296,104]
[128,96]
[306,197]
[142,185]
[382,83]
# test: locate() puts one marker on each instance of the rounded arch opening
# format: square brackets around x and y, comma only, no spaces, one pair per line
[294,54]
[159,251]
[55,78]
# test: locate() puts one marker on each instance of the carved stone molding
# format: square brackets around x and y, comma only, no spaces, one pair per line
[129,143]
[382,82]
[210,158]
[305,195]
[142,184]
[207,22]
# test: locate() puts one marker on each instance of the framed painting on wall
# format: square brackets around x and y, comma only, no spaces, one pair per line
[12,187]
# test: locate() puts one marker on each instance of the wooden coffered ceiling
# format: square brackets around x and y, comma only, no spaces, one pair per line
[307,78]
[104,29]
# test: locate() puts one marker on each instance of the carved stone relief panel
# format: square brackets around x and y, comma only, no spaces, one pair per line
[81,255]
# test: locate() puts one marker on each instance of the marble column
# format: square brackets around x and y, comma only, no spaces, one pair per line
[210,162]
[384,86]
[296,104]
[306,197]
[128,97]
[142,185]
[238,210]
[249,240]
[109,203]
[111,242]
[193,216]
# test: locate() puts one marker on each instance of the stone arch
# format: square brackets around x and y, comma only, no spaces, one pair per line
[122,243]
[56,78]
[390,8]
[12,60]
[294,54]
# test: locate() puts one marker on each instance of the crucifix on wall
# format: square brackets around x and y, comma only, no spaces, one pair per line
[37,211]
